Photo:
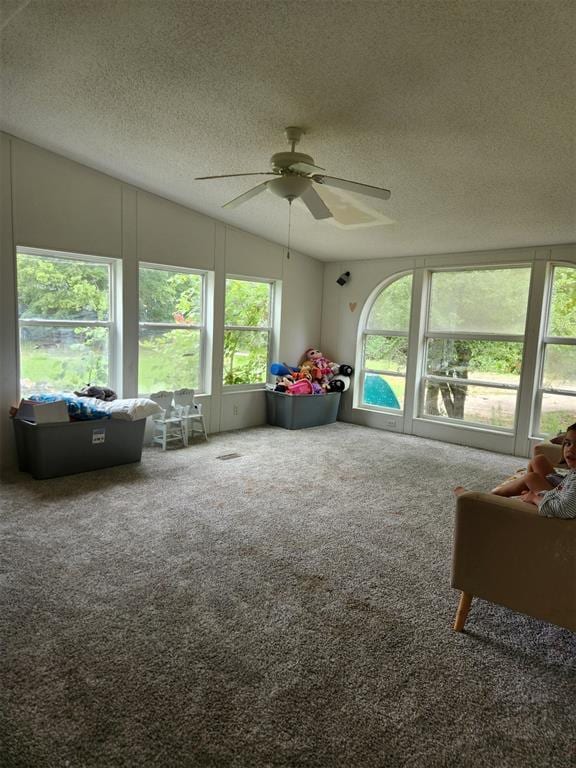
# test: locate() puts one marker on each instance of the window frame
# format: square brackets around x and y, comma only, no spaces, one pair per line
[113,314]
[544,342]
[201,388]
[382,332]
[269,329]
[428,334]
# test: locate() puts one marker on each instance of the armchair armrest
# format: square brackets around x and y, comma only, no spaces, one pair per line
[506,553]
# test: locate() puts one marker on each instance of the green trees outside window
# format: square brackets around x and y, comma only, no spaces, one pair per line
[475,334]
[473,346]
[385,346]
[556,399]
[247,331]
[65,317]
[171,313]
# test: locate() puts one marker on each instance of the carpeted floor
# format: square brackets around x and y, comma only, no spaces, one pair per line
[288,607]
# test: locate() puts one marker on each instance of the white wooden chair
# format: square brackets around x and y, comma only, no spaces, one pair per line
[191,414]
[168,425]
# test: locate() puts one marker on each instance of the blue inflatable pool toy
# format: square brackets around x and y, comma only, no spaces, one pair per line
[377,391]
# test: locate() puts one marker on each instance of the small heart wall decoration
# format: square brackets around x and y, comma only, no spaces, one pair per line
[352,306]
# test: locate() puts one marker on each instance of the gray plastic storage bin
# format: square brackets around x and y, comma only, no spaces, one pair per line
[300,411]
[51,450]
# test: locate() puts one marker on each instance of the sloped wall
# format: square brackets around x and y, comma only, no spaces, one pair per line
[54,203]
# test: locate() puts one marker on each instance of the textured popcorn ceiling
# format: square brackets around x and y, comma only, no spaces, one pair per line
[465,110]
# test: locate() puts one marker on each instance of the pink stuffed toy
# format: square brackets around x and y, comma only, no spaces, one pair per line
[313,358]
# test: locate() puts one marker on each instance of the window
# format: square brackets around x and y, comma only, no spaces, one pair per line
[172,329]
[385,346]
[66,316]
[556,396]
[474,345]
[247,331]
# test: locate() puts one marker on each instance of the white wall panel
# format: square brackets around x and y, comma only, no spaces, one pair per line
[172,234]
[127,345]
[240,410]
[301,307]
[8,312]
[252,256]
[63,205]
[343,304]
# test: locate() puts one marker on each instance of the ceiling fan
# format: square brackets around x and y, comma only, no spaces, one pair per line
[296,177]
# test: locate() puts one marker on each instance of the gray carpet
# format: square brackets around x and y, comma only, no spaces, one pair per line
[288,607]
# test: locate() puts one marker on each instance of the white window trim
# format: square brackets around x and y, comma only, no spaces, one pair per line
[113,293]
[544,342]
[202,374]
[269,329]
[465,336]
[358,401]
[521,438]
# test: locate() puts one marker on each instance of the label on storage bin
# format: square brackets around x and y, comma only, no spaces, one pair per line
[98,436]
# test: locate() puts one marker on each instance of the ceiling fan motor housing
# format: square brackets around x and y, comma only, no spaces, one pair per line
[282,161]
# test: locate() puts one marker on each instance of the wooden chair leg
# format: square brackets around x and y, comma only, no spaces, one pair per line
[462,612]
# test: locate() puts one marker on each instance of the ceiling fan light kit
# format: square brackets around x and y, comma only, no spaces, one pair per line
[296,175]
[289,186]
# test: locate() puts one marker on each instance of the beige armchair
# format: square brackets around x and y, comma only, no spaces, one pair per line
[505,552]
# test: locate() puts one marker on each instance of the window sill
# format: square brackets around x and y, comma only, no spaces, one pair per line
[234,389]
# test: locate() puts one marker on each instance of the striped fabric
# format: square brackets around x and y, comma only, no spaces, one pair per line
[560,501]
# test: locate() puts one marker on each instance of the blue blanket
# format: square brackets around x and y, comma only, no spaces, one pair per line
[78,408]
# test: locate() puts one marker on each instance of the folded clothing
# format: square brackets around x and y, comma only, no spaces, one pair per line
[128,409]
[79,408]
[84,408]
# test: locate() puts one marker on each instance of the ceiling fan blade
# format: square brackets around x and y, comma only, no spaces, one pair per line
[305,167]
[246,195]
[353,186]
[315,204]
[231,175]
[350,211]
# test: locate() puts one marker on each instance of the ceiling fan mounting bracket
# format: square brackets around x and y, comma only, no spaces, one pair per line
[294,134]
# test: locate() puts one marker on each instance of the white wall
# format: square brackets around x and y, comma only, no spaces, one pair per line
[51,202]
[342,308]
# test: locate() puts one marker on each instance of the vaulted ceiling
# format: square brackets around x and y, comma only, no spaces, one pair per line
[463,109]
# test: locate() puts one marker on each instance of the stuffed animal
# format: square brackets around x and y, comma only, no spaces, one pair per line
[324,371]
[320,374]
[339,383]
[281,369]
[340,379]
[100,393]
[313,358]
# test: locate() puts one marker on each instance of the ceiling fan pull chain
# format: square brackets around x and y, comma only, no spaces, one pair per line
[289,226]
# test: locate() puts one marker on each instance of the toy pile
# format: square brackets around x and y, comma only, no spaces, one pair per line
[315,375]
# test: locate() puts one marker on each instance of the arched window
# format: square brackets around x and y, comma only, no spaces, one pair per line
[474,366]
[385,346]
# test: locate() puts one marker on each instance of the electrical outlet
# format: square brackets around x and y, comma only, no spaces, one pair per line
[390,423]
[235,410]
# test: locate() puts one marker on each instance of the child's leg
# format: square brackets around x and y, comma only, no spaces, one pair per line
[535,482]
[511,487]
[541,465]
[538,466]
